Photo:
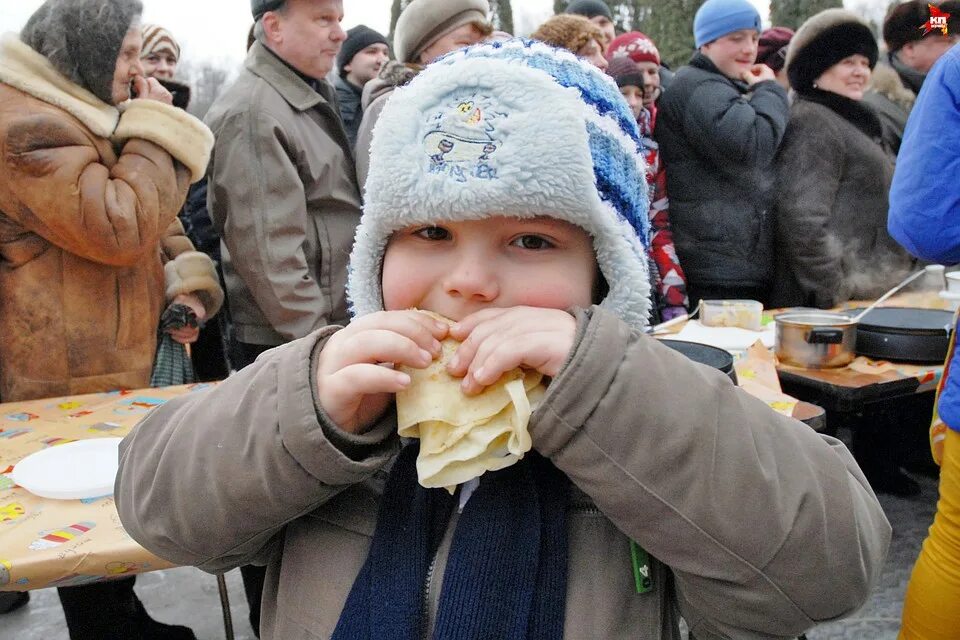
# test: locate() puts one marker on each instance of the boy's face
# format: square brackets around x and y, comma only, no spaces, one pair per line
[366,64]
[457,268]
[651,82]
[733,53]
[634,97]
[606,26]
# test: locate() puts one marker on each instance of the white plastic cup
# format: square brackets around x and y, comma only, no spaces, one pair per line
[953,281]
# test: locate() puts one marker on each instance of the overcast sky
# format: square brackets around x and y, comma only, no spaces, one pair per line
[216,30]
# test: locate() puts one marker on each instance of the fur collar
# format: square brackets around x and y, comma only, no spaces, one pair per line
[853,111]
[26,70]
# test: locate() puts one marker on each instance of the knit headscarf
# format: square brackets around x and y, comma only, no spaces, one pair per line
[156,39]
[468,138]
[82,38]
[568,31]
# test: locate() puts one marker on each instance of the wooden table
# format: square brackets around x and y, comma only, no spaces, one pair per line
[54,543]
[886,405]
[862,382]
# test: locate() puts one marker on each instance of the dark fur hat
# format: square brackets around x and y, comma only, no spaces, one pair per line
[824,40]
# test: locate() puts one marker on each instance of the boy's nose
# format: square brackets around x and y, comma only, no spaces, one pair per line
[471,282]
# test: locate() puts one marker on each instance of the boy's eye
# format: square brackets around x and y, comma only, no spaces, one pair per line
[532,242]
[433,233]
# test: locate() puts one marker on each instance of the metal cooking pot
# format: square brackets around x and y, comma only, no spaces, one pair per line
[815,339]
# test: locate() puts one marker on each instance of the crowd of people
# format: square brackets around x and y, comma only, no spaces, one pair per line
[554,197]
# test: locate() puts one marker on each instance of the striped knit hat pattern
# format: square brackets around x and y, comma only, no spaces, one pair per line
[156,39]
[518,129]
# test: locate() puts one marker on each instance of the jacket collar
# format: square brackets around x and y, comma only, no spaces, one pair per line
[701,61]
[854,111]
[911,78]
[26,70]
[292,86]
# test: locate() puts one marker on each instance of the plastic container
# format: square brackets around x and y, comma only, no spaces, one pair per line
[746,314]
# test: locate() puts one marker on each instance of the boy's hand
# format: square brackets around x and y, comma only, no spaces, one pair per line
[353,385]
[498,340]
[758,73]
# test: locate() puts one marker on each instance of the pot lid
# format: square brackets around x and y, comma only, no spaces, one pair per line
[906,320]
[814,318]
[703,353]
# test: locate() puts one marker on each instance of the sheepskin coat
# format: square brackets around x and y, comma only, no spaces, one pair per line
[90,246]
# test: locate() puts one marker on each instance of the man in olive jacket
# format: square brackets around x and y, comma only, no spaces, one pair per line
[282,184]
[282,189]
[719,128]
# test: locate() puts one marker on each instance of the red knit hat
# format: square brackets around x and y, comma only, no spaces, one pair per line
[635,46]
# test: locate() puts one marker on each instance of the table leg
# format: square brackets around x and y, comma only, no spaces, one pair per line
[225,606]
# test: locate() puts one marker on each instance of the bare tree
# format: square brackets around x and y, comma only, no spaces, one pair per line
[792,13]
[206,80]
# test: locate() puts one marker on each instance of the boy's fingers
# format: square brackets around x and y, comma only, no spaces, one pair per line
[462,329]
[419,327]
[349,384]
[381,345]
[483,326]
[542,351]
[497,327]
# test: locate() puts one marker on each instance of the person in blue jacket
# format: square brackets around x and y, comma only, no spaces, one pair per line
[925,218]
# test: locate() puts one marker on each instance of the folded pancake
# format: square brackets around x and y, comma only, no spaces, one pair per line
[461,437]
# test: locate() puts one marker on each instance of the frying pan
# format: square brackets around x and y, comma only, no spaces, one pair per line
[705,354]
[904,334]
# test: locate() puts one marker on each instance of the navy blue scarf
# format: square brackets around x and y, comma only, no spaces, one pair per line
[506,574]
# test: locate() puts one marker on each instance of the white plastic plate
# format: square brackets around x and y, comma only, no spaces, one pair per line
[72,471]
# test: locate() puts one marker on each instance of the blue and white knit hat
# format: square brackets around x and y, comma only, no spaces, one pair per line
[514,128]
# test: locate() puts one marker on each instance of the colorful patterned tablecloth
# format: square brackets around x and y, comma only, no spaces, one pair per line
[52,543]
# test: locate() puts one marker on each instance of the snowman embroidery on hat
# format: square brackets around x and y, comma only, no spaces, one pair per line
[463,137]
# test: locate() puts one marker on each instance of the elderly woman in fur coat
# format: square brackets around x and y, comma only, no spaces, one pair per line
[91,250]
[833,172]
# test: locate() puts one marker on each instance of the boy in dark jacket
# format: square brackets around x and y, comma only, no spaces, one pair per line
[719,127]
[653,487]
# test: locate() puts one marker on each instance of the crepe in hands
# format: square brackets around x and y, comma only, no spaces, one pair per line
[461,436]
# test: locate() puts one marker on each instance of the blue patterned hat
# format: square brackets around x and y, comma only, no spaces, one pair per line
[514,128]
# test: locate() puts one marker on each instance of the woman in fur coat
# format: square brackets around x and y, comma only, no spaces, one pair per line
[833,172]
